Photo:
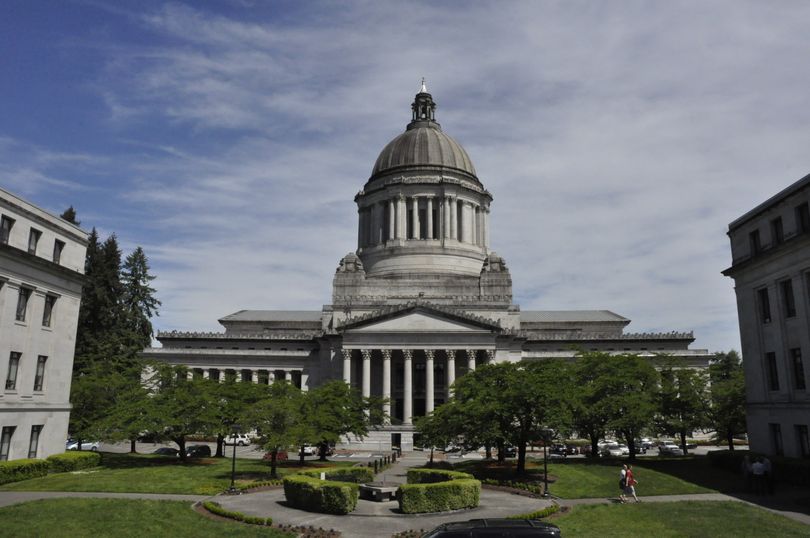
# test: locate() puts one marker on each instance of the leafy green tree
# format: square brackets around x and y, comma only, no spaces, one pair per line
[235,400]
[278,416]
[440,427]
[335,409]
[727,411]
[683,401]
[590,416]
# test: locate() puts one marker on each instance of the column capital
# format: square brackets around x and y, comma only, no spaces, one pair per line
[470,353]
[345,353]
[407,353]
[366,354]
[490,355]
[429,353]
[451,354]
[386,353]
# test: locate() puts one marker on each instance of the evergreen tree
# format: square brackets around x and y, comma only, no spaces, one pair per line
[70,216]
[727,414]
[139,300]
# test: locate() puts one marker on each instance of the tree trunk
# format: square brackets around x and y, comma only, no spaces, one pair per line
[730,440]
[501,452]
[431,456]
[301,456]
[631,444]
[521,463]
[273,462]
[488,452]
[79,444]
[181,445]
[323,446]
[594,446]
[220,446]
[132,447]
[683,443]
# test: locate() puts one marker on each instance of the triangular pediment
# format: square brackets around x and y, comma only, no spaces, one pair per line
[419,318]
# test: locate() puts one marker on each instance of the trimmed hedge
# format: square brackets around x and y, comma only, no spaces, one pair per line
[538,514]
[439,496]
[73,461]
[431,476]
[325,496]
[16,470]
[355,475]
[215,508]
[788,470]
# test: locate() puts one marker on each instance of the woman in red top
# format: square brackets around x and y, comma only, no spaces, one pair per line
[630,482]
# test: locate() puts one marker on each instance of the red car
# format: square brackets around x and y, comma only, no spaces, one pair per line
[280,456]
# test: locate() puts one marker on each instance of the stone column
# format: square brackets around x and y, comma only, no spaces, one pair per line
[464,236]
[386,385]
[304,382]
[415,218]
[429,385]
[474,227]
[486,227]
[453,219]
[490,356]
[360,227]
[207,373]
[446,205]
[429,219]
[407,408]
[451,371]
[190,375]
[392,223]
[366,372]
[401,217]
[347,365]
[254,376]
[471,360]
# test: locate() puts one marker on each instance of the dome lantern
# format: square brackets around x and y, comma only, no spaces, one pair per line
[423,107]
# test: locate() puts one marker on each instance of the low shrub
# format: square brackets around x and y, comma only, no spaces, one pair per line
[356,475]
[531,487]
[73,461]
[215,508]
[325,496]
[16,470]
[439,496]
[260,484]
[538,514]
[431,476]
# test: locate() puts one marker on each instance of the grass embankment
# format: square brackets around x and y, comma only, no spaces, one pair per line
[159,474]
[585,478]
[678,519]
[122,518]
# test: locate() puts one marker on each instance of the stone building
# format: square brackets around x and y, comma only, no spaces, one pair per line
[423,299]
[770,250]
[41,276]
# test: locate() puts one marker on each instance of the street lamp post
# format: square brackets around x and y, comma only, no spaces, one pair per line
[235,428]
[547,435]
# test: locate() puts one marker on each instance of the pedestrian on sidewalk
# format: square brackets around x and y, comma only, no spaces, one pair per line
[758,472]
[622,484]
[631,482]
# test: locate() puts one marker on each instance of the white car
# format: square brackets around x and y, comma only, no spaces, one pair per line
[86,445]
[308,450]
[240,439]
[668,448]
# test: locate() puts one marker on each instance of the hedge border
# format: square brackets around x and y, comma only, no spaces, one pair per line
[428,489]
[215,508]
[24,469]
[538,514]
[73,461]
[354,475]
[322,496]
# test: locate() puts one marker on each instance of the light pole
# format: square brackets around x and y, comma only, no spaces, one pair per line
[235,428]
[547,434]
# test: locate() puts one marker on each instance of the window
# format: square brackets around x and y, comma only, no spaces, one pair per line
[33,239]
[773,373]
[787,298]
[802,218]
[39,378]
[50,300]
[230,376]
[33,444]
[5,441]
[754,242]
[6,223]
[798,369]
[777,231]
[247,376]
[213,374]
[776,438]
[13,366]
[22,303]
[803,440]
[764,305]
[58,247]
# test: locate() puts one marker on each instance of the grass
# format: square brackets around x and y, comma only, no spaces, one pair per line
[584,478]
[158,474]
[122,518]
[677,519]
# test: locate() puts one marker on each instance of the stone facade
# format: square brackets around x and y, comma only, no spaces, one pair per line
[422,300]
[41,275]
[770,248]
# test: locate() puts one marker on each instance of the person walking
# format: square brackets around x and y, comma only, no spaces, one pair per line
[622,484]
[758,471]
[630,482]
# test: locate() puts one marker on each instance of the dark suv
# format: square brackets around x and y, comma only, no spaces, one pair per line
[198,451]
[504,528]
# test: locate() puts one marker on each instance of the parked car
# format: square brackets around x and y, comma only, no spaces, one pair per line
[572,450]
[559,450]
[646,443]
[93,446]
[509,451]
[614,450]
[308,450]
[198,451]
[166,451]
[507,528]
[668,448]
[240,439]
[281,455]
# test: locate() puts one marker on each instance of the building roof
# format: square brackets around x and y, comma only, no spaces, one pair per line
[274,315]
[560,316]
[773,200]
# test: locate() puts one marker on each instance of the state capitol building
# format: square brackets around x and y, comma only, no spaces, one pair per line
[423,300]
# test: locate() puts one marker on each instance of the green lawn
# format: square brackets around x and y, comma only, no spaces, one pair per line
[677,519]
[122,518]
[156,474]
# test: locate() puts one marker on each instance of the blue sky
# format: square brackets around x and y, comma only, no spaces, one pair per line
[228,138]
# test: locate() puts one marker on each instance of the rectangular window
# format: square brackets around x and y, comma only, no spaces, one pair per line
[773,372]
[802,218]
[58,247]
[777,231]
[789,303]
[50,301]
[754,242]
[39,378]
[33,444]
[33,240]
[798,369]
[764,305]
[6,223]
[247,376]
[803,440]
[13,366]
[22,303]
[5,441]
[776,439]
[213,374]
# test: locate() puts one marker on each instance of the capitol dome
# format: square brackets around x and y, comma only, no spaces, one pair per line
[423,144]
